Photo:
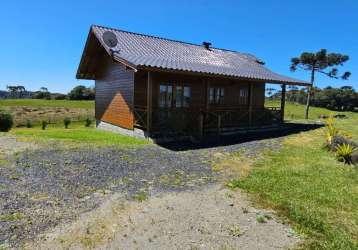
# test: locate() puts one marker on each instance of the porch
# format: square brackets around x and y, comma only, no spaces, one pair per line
[200,116]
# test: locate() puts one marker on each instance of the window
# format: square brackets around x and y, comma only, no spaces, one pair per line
[182,96]
[168,92]
[216,95]
[243,97]
[165,96]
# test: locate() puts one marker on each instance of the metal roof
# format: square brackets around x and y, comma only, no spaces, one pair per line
[138,50]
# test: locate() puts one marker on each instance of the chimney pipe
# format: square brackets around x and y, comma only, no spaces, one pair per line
[207,45]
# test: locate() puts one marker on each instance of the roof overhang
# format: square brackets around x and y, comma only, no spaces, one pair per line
[92,53]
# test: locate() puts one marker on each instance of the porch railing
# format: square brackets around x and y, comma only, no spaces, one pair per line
[186,120]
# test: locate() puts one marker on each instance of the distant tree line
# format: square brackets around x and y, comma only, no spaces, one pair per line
[344,98]
[79,92]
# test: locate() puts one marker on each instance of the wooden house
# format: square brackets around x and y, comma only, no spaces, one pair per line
[152,86]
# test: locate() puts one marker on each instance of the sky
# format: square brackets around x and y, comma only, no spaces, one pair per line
[42,41]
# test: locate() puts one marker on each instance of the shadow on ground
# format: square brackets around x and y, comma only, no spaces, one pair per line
[242,137]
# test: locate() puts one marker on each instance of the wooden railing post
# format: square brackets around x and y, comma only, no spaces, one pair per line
[219,125]
[283,99]
[251,100]
[149,102]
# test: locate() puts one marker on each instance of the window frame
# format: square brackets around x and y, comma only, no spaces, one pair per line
[216,95]
[177,99]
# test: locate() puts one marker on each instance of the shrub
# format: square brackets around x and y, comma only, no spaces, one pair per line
[59,96]
[344,153]
[88,122]
[6,121]
[44,124]
[331,130]
[28,124]
[67,122]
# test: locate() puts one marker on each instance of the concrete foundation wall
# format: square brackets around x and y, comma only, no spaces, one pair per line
[115,129]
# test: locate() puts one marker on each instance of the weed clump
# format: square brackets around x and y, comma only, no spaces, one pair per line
[88,122]
[233,184]
[43,124]
[28,124]
[67,122]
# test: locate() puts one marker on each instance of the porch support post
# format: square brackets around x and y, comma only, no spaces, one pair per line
[283,100]
[149,102]
[251,102]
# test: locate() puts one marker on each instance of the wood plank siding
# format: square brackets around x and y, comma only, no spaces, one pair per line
[114,94]
[198,89]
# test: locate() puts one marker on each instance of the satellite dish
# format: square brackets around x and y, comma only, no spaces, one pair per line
[110,39]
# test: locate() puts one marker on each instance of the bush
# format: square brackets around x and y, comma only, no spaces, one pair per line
[6,121]
[59,96]
[88,122]
[344,153]
[28,124]
[44,125]
[41,95]
[67,122]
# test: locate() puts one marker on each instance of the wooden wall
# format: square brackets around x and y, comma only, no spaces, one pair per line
[114,94]
[197,88]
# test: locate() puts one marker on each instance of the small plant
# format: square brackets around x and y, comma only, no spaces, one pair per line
[88,122]
[28,124]
[235,231]
[233,184]
[344,153]
[67,122]
[6,121]
[261,219]
[331,130]
[141,196]
[43,125]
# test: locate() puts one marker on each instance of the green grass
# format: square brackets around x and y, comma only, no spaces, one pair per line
[46,103]
[295,111]
[77,133]
[306,184]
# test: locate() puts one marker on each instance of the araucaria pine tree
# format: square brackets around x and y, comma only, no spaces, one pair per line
[320,62]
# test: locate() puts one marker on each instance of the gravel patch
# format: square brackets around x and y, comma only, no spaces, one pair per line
[45,187]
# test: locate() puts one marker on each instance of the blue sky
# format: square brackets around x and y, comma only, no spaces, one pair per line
[42,41]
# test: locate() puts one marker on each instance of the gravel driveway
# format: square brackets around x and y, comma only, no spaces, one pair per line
[44,187]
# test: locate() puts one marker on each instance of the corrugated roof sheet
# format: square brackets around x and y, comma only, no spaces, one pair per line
[144,50]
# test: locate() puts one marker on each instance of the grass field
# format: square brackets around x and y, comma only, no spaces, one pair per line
[308,186]
[77,133]
[46,103]
[52,111]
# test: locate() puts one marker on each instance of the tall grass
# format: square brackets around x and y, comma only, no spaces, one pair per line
[46,103]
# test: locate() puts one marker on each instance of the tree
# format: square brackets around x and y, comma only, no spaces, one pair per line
[44,89]
[16,91]
[319,62]
[43,93]
[81,92]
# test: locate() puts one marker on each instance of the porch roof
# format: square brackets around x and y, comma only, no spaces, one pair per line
[144,51]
